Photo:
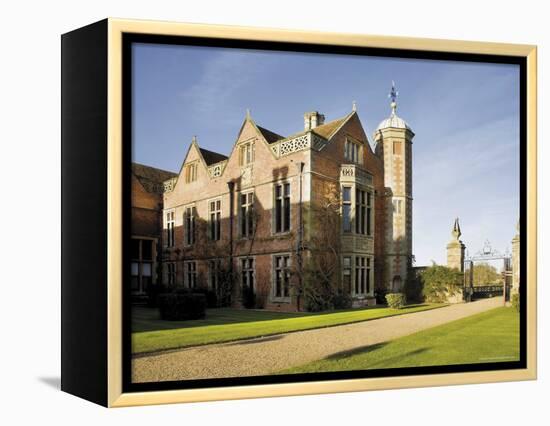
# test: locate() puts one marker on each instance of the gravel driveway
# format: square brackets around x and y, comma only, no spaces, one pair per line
[261,356]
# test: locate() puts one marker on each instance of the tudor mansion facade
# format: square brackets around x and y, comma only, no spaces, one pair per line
[260,215]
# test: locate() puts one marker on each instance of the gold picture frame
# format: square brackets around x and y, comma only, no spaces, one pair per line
[112,393]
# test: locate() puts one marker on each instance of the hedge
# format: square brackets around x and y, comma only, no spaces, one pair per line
[182,306]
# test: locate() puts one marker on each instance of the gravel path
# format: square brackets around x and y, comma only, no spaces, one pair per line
[270,354]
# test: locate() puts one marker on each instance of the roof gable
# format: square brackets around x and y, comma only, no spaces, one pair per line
[151,178]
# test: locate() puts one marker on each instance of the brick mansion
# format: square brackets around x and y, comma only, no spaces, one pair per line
[281,213]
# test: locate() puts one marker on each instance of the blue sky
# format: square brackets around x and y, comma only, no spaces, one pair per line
[465,117]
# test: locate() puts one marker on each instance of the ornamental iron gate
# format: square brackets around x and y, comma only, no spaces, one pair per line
[488,253]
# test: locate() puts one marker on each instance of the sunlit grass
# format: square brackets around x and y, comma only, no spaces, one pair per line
[224,325]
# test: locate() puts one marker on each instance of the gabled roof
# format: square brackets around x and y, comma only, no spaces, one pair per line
[327,130]
[211,157]
[268,135]
[151,178]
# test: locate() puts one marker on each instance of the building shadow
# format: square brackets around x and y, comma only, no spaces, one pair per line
[53,382]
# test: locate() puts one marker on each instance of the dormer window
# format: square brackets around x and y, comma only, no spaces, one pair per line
[191,173]
[246,153]
[353,151]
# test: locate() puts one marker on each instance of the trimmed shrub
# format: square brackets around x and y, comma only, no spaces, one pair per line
[211,296]
[515,301]
[316,304]
[341,301]
[395,300]
[181,306]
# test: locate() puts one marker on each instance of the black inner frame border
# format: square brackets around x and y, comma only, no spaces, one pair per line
[130,38]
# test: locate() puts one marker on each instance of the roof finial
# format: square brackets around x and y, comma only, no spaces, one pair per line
[354,106]
[456,230]
[248,113]
[194,140]
[393,95]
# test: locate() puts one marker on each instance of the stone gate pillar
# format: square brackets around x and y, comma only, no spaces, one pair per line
[455,249]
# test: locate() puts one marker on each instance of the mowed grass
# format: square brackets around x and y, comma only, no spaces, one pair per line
[491,336]
[150,334]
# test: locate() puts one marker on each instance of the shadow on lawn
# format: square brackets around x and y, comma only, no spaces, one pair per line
[256,340]
[364,350]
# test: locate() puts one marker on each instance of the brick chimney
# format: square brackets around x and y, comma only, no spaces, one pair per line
[313,119]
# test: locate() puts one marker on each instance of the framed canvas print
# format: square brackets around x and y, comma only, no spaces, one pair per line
[253,212]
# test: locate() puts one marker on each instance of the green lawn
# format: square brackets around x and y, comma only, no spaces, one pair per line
[150,334]
[491,336]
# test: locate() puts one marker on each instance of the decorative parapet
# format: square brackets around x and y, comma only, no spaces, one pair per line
[353,173]
[299,143]
[216,170]
[170,184]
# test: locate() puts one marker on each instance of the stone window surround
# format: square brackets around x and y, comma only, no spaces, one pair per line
[140,261]
[171,272]
[186,241]
[353,189]
[272,297]
[250,210]
[358,157]
[240,268]
[191,170]
[214,266]
[215,211]
[353,256]
[169,226]
[246,152]
[276,183]
[187,272]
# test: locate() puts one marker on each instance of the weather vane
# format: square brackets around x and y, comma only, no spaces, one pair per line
[394,93]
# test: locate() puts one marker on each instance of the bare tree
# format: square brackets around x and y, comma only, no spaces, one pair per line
[322,247]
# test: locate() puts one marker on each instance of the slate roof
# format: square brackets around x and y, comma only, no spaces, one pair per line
[269,136]
[151,178]
[211,157]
